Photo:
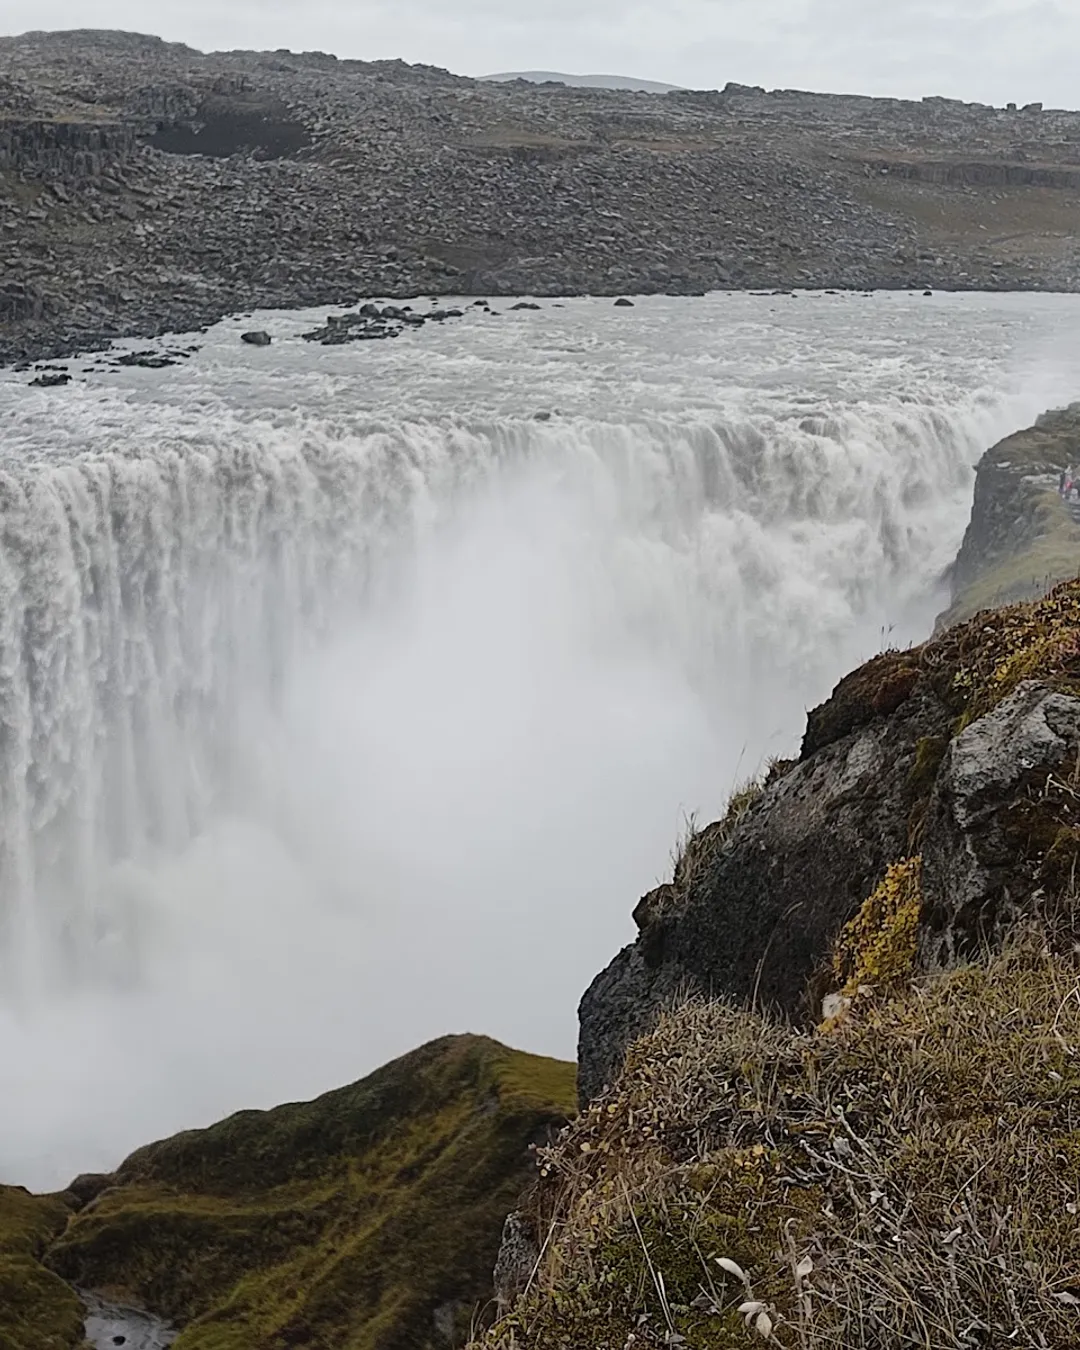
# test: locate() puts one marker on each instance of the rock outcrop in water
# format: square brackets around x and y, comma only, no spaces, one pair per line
[145,186]
[370,1217]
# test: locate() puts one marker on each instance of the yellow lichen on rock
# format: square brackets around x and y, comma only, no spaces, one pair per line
[878,946]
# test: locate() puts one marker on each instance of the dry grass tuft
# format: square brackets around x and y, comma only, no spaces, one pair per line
[909,1179]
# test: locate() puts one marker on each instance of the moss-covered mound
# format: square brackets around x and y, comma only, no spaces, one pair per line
[908,1175]
[370,1217]
[38,1311]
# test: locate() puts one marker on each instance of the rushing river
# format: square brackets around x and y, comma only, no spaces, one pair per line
[352,696]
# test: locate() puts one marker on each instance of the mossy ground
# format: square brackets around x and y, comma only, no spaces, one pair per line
[370,1217]
[909,1177]
[38,1311]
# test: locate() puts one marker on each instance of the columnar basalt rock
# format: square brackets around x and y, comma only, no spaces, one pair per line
[68,152]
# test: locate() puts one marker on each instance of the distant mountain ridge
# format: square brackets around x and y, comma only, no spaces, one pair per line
[624,82]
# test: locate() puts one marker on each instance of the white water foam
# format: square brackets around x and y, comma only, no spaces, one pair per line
[345,704]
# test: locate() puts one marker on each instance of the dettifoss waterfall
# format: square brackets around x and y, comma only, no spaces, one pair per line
[341,709]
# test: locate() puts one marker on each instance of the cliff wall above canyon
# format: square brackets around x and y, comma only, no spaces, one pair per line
[345,179]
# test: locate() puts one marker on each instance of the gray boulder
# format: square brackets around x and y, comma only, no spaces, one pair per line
[994,832]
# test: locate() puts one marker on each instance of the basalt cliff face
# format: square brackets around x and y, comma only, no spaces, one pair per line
[145,186]
[948,753]
[1023,535]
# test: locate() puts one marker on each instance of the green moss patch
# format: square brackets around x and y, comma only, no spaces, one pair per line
[38,1311]
[370,1217]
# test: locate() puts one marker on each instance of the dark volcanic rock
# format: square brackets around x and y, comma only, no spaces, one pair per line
[256,339]
[127,157]
[148,360]
[50,379]
[761,915]
[370,323]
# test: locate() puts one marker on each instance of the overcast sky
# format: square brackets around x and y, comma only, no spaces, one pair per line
[990,50]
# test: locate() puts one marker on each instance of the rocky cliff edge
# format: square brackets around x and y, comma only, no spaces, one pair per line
[830,1095]
[956,753]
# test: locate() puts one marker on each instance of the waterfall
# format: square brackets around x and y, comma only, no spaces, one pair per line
[338,714]
[154,609]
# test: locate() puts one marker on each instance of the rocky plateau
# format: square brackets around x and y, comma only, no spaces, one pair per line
[146,187]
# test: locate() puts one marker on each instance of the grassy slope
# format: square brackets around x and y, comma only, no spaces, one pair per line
[345,1223]
[908,1175]
[37,1309]
[920,1149]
